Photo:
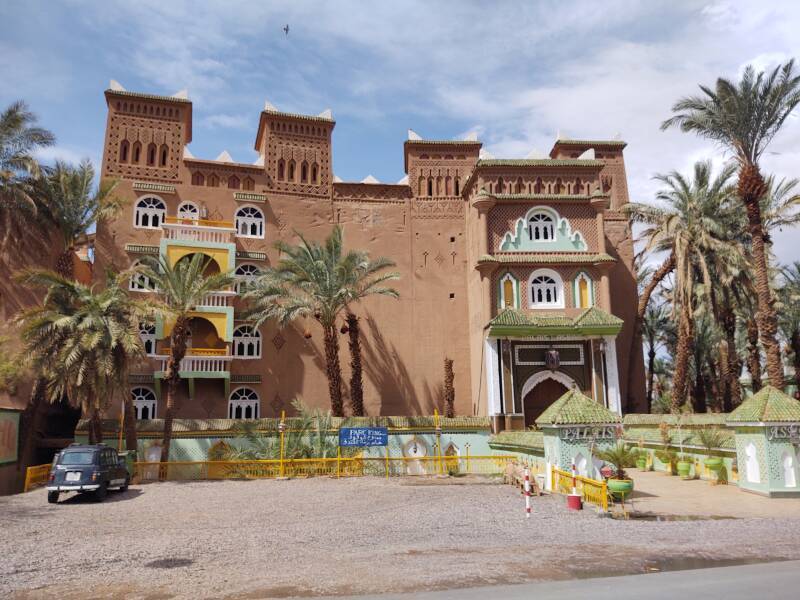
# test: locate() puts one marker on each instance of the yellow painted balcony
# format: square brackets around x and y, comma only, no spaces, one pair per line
[198,230]
[201,360]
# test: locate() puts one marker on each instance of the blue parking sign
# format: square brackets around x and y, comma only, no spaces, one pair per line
[363,436]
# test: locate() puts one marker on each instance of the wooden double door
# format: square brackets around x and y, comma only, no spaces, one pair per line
[539,398]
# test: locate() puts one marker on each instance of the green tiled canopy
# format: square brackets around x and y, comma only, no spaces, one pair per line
[769,405]
[592,321]
[573,408]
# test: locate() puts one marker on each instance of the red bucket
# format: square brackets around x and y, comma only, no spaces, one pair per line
[574,502]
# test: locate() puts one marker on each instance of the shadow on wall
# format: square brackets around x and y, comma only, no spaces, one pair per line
[388,373]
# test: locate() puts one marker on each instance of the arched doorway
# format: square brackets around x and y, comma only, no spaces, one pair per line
[541,390]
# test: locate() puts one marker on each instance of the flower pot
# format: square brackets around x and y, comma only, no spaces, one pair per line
[684,468]
[641,463]
[620,488]
[714,463]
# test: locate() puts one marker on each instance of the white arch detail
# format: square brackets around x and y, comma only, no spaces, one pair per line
[541,376]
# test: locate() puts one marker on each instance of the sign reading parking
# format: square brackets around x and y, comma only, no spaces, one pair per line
[363,436]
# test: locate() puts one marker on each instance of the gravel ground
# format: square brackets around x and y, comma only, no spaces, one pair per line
[263,539]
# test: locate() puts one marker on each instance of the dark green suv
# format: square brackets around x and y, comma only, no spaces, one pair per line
[84,468]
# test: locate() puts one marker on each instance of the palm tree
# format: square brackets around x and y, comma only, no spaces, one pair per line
[73,205]
[19,139]
[322,281]
[744,117]
[656,321]
[181,287]
[789,294]
[82,342]
[690,224]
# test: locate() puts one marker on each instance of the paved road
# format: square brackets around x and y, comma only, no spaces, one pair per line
[776,581]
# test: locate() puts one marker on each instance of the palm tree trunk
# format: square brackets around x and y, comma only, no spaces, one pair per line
[753,355]
[356,382]
[333,369]
[95,427]
[131,441]
[700,403]
[636,340]
[177,352]
[751,188]
[31,422]
[64,265]
[651,365]
[795,343]
[732,367]
[449,389]
[682,354]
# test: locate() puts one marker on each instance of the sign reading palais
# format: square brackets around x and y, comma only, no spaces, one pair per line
[791,432]
[604,432]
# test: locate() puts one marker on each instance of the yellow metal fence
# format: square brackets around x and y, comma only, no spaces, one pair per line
[593,491]
[36,476]
[316,467]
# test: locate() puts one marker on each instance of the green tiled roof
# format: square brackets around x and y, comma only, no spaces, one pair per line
[249,197]
[549,258]
[589,142]
[280,113]
[250,255]
[769,405]
[573,408]
[141,249]
[634,419]
[449,142]
[147,96]
[146,186]
[524,440]
[687,435]
[539,162]
[592,321]
[541,197]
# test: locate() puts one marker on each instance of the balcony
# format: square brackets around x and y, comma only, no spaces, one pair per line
[216,300]
[200,362]
[198,230]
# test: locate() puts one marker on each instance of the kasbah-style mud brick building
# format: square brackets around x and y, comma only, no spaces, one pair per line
[518,270]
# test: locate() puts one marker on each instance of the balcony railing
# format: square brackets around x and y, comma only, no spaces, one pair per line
[216,299]
[207,360]
[198,230]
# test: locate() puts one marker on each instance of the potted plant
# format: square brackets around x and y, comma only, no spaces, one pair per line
[684,466]
[711,440]
[667,454]
[620,457]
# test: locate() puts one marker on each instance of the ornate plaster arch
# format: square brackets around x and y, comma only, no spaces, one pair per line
[541,376]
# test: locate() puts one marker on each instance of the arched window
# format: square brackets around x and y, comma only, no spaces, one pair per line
[139,282]
[304,172]
[546,289]
[151,154]
[147,332]
[244,274]
[281,169]
[542,228]
[248,184]
[290,175]
[188,210]
[243,404]
[137,152]
[198,178]
[213,180]
[500,187]
[144,402]
[124,147]
[149,212]
[583,291]
[246,342]
[458,187]
[314,173]
[163,156]
[789,468]
[233,182]
[430,186]
[508,292]
[249,222]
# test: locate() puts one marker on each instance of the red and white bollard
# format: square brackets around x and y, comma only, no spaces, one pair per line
[574,500]
[527,487]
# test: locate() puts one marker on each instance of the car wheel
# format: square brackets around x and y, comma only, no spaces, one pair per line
[101,492]
[124,487]
[52,497]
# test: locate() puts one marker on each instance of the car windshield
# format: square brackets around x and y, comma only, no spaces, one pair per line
[77,458]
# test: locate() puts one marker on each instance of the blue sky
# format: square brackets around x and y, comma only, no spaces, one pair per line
[514,72]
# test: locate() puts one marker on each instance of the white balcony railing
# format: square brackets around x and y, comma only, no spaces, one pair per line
[206,364]
[217,299]
[198,230]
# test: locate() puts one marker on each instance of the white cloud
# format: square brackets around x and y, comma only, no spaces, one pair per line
[228,121]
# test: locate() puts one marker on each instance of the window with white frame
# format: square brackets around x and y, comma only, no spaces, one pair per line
[249,222]
[584,292]
[147,332]
[246,342]
[149,212]
[139,282]
[546,289]
[244,274]
[542,227]
[243,404]
[144,402]
[508,291]
[189,211]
